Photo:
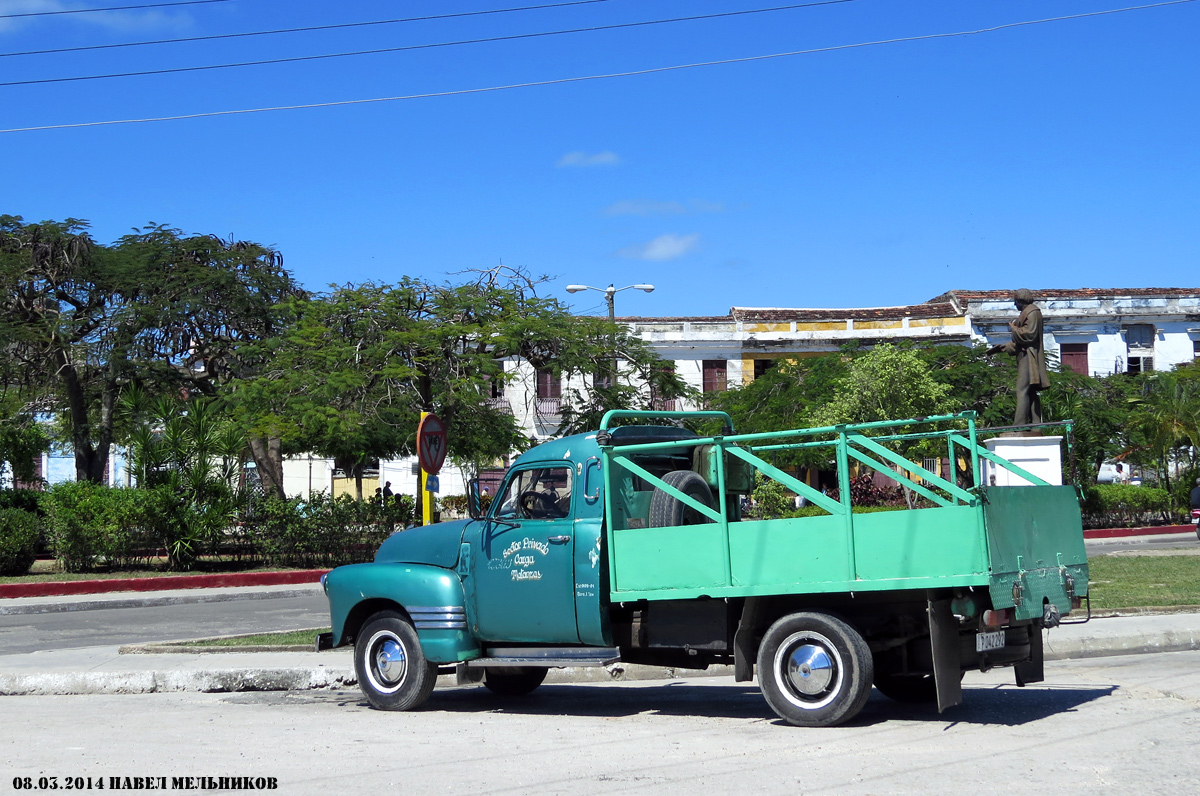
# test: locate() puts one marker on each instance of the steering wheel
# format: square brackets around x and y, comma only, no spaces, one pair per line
[537,505]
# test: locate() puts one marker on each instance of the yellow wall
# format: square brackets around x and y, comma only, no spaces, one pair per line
[345,486]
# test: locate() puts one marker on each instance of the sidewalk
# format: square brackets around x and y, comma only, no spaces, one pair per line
[104,670]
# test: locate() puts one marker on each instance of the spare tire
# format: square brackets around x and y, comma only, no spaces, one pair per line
[668,511]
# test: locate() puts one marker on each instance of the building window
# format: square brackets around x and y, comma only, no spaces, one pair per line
[549,386]
[761,366]
[657,402]
[1140,365]
[1195,349]
[1074,357]
[715,375]
[1139,340]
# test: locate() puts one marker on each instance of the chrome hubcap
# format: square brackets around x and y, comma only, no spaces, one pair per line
[391,662]
[386,662]
[810,669]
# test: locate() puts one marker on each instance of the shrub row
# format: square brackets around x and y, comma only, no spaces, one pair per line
[88,526]
[1124,505]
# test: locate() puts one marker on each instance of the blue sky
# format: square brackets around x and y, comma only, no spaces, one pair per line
[1053,155]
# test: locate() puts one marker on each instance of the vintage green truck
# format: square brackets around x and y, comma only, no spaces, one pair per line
[629,544]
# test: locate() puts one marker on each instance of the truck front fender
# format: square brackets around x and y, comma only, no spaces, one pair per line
[431,597]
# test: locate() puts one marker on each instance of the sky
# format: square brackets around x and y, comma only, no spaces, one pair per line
[1054,155]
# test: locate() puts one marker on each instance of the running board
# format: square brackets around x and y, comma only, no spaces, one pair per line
[546,657]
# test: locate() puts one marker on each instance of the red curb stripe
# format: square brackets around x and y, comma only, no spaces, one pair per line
[1109,533]
[59,588]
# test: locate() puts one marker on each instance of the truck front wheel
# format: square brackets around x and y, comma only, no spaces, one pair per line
[814,670]
[392,671]
[513,680]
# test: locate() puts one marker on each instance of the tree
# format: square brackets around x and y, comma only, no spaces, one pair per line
[354,368]
[83,321]
[885,383]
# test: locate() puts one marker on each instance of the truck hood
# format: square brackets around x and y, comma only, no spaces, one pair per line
[436,545]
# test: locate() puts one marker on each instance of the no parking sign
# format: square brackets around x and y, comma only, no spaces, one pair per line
[431,443]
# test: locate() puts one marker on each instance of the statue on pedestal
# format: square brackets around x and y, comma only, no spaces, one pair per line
[1026,346]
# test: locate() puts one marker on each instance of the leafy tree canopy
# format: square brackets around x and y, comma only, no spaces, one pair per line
[83,321]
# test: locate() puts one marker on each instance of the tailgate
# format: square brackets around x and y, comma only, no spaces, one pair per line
[1035,544]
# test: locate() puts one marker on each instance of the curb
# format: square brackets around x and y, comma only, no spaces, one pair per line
[165,583]
[1110,533]
[216,681]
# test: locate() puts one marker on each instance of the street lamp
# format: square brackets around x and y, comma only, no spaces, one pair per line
[609,292]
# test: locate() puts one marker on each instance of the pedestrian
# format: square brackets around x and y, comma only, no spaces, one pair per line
[387,490]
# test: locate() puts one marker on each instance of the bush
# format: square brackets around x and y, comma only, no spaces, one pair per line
[92,525]
[323,531]
[19,535]
[1123,505]
[25,499]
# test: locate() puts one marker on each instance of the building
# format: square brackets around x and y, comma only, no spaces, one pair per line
[1091,331]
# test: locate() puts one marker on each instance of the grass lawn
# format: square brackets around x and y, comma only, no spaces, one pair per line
[302,638]
[1143,581]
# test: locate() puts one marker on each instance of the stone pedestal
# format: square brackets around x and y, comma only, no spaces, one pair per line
[1040,456]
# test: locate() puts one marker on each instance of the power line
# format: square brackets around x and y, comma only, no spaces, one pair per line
[580,79]
[112,8]
[513,37]
[300,30]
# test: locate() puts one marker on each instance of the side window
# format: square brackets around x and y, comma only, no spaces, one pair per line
[540,493]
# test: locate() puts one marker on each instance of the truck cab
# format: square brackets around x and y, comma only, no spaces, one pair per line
[628,544]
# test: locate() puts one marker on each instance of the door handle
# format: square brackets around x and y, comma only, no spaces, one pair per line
[559,539]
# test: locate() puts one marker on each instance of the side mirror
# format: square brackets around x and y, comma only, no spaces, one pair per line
[473,507]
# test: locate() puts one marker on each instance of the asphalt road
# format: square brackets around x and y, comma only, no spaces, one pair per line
[93,628]
[1101,726]
[1156,544]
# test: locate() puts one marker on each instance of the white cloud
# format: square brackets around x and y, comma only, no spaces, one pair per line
[122,21]
[579,158]
[662,248]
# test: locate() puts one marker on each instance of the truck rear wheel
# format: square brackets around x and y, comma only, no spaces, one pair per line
[814,670]
[513,680]
[392,671]
[667,511]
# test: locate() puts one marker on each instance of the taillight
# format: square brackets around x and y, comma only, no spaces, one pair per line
[997,618]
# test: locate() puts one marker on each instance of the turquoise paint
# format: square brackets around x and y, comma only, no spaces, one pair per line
[416,585]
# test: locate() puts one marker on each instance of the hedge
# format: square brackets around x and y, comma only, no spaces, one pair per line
[19,533]
[1124,505]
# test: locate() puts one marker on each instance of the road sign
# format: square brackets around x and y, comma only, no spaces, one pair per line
[431,443]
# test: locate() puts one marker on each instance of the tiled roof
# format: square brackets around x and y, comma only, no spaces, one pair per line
[779,315]
[963,296]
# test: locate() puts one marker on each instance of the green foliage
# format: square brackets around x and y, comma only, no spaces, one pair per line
[90,525]
[886,383]
[22,440]
[24,499]
[323,531]
[770,498]
[19,532]
[193,454]
[83,321]
[1123,505]
[354,368]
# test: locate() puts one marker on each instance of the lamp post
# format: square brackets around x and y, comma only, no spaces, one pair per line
[609,292]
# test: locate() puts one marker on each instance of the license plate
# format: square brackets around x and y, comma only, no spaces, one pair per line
[985,642]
